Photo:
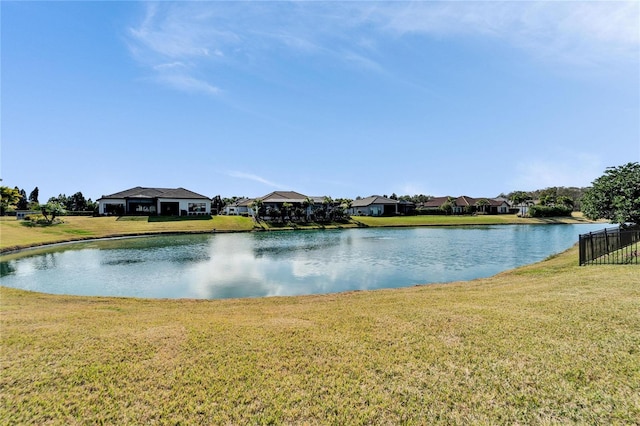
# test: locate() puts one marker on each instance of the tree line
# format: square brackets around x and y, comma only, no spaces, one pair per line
[614,196]
[17,199]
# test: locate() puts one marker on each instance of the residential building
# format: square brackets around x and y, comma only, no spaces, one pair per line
[374,206]
[155,201]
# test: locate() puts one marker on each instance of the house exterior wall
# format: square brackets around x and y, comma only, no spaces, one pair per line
[183,205]
[371,210]
[236,210]
[102,204]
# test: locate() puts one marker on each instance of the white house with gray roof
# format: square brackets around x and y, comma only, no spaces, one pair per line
[155,201]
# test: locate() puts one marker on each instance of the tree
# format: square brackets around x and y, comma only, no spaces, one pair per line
[10,197]
[216,204]
[286,210]
[327,208]
[256,206]
[308,204]
[565,201]
[520,199]
[78,202]
[23,203]
[482,204]
[52,210]
[33,196]
[615,195]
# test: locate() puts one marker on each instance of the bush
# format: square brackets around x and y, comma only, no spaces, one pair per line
[39,220]
[549,211]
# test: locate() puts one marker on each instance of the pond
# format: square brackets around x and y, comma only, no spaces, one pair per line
[217,266]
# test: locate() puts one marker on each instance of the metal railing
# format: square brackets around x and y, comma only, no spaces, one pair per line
[613,246]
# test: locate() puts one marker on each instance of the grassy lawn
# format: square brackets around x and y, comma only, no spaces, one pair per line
[13,233]
[463,220]
[547,343]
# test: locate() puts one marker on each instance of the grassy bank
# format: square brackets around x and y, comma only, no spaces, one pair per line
[14,234]
[543,344]
[438,220]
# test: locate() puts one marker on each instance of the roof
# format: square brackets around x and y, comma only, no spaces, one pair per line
[140,192]
[283,197]
[461,201]
[374,199]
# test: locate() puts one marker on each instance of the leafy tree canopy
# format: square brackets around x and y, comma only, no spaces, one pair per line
[51,210]
[615,195]
[10,197]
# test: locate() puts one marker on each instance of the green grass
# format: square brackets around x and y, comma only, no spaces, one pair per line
[550,343]
[14,234]
[443,220]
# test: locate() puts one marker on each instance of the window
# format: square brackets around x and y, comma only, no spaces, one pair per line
[197,207]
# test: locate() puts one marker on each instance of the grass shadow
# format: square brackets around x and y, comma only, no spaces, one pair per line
[177,218]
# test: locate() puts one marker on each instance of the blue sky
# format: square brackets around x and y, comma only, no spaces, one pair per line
[325,98]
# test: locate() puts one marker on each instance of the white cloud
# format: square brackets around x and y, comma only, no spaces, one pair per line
[575,31]
[209,35]
[187,83]
[255,178]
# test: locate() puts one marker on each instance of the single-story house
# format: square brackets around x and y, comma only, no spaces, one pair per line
[374,206]
[464,203]
[155,201]
[239,207]
[276,200]
[406,207]
[22,214]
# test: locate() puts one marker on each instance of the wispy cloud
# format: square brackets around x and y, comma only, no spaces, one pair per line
[185,44]
[255,178]
[575,31]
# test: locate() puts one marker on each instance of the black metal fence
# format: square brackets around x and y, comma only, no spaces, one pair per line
[613,246]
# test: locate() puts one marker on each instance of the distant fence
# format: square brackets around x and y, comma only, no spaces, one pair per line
[610,246]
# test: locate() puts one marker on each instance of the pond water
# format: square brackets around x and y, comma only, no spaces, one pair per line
[216,266]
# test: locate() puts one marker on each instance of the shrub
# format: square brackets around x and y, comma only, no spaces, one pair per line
[549,211]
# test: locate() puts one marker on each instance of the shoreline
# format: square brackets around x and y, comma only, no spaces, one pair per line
[354,224]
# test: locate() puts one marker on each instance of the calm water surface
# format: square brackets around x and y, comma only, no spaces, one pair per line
[283,263]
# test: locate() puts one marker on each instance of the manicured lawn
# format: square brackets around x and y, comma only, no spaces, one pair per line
[550,343]
[441,220]
[13,233]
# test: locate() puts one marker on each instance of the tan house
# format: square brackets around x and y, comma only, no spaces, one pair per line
[464,204]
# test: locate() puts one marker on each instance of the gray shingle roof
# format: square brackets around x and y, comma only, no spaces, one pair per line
[374,199]
[283,197]
[140,192]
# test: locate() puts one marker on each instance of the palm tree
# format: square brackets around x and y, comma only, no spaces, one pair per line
[286,210]
[327,206]
[483,203]
[522,199]
[308,204]
[256,206]
[346,204]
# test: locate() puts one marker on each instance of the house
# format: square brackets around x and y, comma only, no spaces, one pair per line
[277,199]
[239,207]
[154,201]
[406,207]
[465,204]
[374,206]
[22,214]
